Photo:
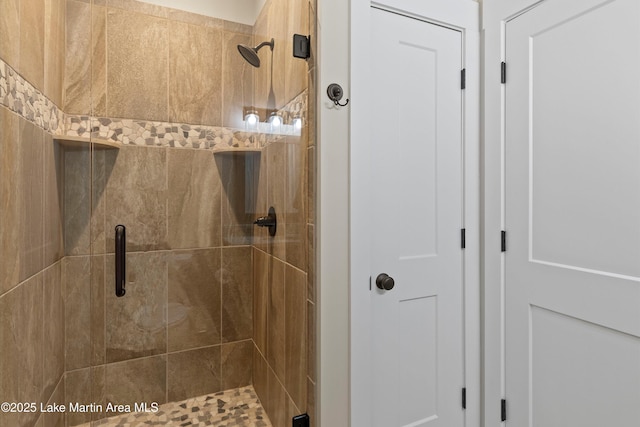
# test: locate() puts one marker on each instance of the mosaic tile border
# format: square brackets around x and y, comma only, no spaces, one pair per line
[24,99]
[231,408]
[21,97]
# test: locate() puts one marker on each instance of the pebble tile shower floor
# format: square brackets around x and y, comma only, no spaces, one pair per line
[231,408]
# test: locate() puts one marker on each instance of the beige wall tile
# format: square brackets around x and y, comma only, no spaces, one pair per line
[311,340]
[32,199]
[99,177]
[10,32]
[239,183]
[54,49]
[260,376]
[311,184]
[84,386]
[136,323]
[276,405]
[195,70]
[194,373]
[194,299]
[76,275]
[137,68]
[194,199]
[99,60]
[77,75]
[237,79]
[140,380]
[276,321]
[55,419]
[311,402]
[295,68]
[237,294]
[236,361]
[10,194]
[77,200]
[53,201]
[32,42]
[137,197]
[311,263]
[260,298]
[276,156]
[54,341]
[296,335]
[295,216]
[21,358]
[97,315]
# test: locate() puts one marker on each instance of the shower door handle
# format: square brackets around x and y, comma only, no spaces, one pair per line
[121,254]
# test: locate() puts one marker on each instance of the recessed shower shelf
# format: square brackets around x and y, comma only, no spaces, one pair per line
[231,150]
[79,141]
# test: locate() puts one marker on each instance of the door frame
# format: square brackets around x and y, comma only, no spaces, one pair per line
[462,15]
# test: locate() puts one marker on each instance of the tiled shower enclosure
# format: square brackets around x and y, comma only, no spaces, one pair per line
[119,112]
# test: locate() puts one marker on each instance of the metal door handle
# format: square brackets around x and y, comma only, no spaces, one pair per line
[121,259]
[385,282]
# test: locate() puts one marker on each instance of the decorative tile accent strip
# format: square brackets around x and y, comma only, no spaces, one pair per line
[24,99]
[20,96]
[232,408]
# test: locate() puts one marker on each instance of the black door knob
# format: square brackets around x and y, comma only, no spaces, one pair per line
[385,282]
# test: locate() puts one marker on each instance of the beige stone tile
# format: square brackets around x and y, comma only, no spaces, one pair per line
[10,194]
[195,84]
[194,373]
[261,238]
[296,335]
[265,96]
[136,324]
[32,42]
[296,68]
[99,178]
[260,376]
[21,358]
[137,197]
[276,405]
[311,185]
[276,156]
[260,299]
[99,60]
[311,340]
[237,294]
[97,304]
[54,49]
[238,28]
[236,361]
[140,380]
[77,75]
[55,419]
[276,321]
[77,200]
[141,7]
[53,329]
[295,215]
[311,264]
[32,199]
[84,386]
[53,201]
[237,80]
[137,71]
[194,200]
[239,181]
[291,409]
[9,32]
[310,125]
[311,402]
[76,275]
[194,299]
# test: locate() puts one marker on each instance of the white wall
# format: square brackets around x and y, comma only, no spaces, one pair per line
[242,11]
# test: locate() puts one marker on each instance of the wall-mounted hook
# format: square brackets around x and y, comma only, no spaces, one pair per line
[335,93]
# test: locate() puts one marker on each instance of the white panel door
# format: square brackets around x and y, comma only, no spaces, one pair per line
[416,152]
[573,215]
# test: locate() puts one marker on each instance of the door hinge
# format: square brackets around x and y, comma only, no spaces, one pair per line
[464,398]
[463,238]
[503,72]
[463,79]
[503,241]
[503,410]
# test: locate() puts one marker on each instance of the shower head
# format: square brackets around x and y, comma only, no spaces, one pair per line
[250,54]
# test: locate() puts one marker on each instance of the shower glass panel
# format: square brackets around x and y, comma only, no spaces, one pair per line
[214,307]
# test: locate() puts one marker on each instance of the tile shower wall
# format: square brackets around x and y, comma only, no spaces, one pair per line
[184,327]
[284,265]
[31,167]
